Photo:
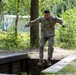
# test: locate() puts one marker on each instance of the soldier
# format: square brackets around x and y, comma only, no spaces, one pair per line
[48,32]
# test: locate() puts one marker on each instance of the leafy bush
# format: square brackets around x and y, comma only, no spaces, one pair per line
[66,37]
[8,40]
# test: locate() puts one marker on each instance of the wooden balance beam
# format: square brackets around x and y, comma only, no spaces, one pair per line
[59,65]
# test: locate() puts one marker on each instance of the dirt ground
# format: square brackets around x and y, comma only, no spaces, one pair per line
[58,53]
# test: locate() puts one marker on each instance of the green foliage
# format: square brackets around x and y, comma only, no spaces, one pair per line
[25,74]
[10,42]
[49,4]
[69,69]
[56,6]
[66,37]
[11,7]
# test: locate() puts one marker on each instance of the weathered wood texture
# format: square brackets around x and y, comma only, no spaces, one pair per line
[20,62]
[13,63]
[60,65]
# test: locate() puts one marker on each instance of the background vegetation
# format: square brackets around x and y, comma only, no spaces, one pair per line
[65,38]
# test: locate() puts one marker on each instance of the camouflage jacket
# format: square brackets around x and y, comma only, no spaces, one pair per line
[47,25]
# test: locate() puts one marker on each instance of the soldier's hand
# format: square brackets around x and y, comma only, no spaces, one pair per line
[63,25]
[25,26]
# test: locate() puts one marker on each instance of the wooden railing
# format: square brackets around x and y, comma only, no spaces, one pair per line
[13,63]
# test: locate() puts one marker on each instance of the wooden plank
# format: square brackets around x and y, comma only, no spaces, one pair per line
[60,65]
[11,68]
[14,57]
[4,68]
[23,65]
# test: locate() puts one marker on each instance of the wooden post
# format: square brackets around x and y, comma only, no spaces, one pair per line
[11,68]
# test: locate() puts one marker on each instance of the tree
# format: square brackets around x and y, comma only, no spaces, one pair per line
[0,6]
[0,9]
[11,7]
[34,30]
[1,13]
[16,22]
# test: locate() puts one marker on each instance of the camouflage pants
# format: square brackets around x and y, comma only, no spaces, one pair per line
[50,47]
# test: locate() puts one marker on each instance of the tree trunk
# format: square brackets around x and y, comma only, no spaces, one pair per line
[16,22]
[1,14]
[0,10]
[34,30]
[0,6]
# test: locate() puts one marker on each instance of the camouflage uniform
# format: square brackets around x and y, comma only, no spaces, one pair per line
[48,33]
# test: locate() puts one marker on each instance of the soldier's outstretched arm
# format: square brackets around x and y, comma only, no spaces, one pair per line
[33,22]
[60,20]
